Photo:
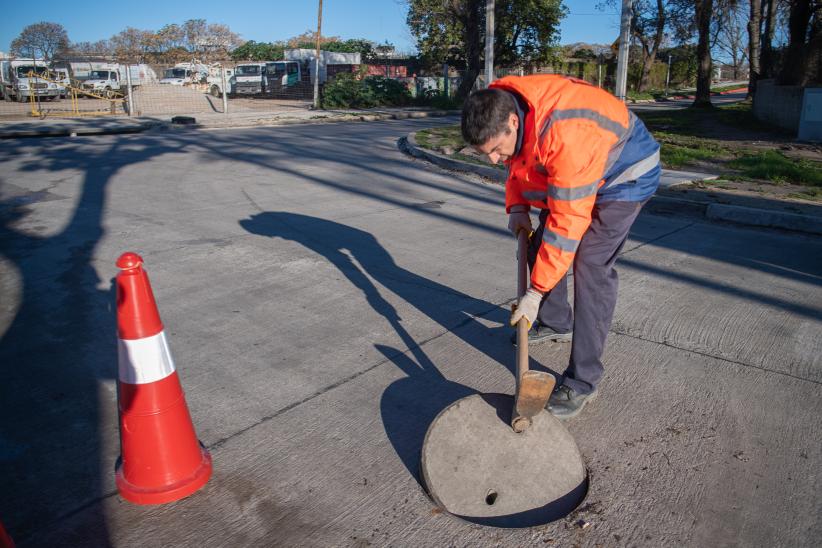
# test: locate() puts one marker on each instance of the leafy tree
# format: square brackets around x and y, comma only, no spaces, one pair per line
[100,47]
[131,45]
[259,51]
[42,40]
[527,31]
[453,31]
[171,37]
[683,64]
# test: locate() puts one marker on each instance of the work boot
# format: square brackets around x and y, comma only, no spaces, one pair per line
[540,333]
[565,403]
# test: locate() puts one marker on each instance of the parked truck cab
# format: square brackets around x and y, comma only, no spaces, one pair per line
[250,78]
[22,79]
[183,74]
[104,82]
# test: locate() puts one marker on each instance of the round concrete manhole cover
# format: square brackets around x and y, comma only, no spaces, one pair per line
[477,468]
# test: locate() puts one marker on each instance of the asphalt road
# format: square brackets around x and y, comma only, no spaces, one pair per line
[325,297]
[679,104]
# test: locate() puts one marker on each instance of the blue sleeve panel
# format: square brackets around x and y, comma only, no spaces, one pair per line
[640,145]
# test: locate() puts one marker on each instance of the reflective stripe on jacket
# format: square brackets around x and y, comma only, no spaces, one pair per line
[575,138]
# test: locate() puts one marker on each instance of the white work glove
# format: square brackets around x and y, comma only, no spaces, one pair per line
[527,307]
[519,219]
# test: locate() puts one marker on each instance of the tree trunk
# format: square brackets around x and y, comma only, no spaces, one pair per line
[473,39]
[649,54]
[813,65]
[753,46]
[645,75]
[794,65]
[704,11]
[766,68]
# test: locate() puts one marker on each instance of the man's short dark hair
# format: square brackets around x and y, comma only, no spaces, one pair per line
[485,115]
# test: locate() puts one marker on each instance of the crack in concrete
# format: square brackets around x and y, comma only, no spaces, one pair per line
[643,244]
[720,358]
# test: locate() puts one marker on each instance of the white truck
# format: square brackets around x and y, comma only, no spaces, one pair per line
[21,79]
[206,78]
[250,78]
[109,79]
[185,74]
[215,80]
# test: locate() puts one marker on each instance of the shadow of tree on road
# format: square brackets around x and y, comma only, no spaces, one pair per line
[59,346]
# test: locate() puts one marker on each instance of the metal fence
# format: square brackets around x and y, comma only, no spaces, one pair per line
[105,87]
[102,86]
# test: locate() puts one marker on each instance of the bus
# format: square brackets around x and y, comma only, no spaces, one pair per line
[282,75]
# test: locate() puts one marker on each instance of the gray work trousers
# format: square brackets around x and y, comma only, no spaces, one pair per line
[595,290]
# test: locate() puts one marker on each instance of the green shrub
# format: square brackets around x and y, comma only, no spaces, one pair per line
[347,91]
[437,99]
[387,91]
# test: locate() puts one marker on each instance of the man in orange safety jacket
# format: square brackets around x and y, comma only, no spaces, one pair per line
[577,154]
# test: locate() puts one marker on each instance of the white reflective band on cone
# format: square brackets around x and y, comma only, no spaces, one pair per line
[142,361]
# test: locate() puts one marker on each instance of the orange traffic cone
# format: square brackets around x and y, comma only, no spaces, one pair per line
[161,459]
[5,539]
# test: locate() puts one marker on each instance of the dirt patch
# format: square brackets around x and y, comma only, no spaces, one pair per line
[165,99]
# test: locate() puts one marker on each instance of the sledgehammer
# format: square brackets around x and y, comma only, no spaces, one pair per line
[533,387]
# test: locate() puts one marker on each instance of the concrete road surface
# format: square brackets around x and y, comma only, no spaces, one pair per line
[325,297]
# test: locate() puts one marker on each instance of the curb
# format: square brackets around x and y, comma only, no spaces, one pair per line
[78,131]
[764,217]
[330,119]
[408,144]
[62,131]
[741,215]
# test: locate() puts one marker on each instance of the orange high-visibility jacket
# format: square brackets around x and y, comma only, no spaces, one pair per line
[573,133]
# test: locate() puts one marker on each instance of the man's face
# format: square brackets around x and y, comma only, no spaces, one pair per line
[501,146]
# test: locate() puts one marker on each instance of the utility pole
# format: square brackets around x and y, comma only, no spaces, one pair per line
[130,90]
[622,57]
[225,88]
[668,76]
[489,42]
[317,60]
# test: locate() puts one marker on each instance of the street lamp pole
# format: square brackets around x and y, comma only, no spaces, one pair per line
[624,43]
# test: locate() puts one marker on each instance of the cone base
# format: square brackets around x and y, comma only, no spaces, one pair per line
[167,493]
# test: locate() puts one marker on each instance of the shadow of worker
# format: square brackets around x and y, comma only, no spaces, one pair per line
[409,405]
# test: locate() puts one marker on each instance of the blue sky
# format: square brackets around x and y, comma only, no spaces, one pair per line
[268,20]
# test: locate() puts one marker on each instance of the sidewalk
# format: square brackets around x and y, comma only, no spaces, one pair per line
[66,127]
[674,196]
